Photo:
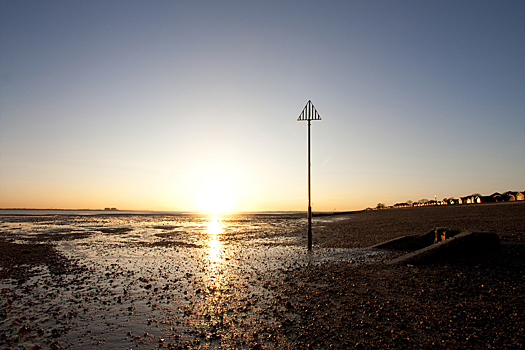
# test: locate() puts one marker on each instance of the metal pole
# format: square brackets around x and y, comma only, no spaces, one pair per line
[309,194]
[309,113]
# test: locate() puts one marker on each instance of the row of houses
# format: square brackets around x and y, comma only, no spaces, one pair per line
[496,197]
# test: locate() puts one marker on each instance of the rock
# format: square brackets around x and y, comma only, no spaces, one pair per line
[441,234]
[464,245]
[25,329]
[411,243]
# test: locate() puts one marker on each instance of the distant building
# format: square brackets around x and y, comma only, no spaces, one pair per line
[476,198]
[401,205]
[487,199]
[509,196]
[465,200]
[497,197]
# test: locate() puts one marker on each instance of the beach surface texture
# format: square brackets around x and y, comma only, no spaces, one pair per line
[151,282]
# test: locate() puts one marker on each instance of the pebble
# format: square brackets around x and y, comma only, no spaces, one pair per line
[179,301]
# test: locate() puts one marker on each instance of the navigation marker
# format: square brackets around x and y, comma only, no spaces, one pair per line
[309,113]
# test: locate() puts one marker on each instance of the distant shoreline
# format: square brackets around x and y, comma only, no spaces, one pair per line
[37,212]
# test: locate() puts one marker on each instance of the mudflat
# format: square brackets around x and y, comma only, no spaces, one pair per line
[51,301]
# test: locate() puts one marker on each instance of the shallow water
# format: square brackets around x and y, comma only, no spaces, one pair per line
[152,281]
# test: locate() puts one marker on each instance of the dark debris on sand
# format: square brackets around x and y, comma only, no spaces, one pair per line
[369,228]
[17,259]
[469,305]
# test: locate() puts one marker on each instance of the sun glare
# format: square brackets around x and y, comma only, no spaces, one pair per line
[215,198]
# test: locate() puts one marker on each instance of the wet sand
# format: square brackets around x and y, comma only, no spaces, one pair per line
[51,301]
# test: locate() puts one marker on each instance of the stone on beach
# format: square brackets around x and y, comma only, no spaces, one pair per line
[258,295]
[460,246]
[411,243]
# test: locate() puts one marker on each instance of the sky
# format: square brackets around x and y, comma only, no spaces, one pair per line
[193,105]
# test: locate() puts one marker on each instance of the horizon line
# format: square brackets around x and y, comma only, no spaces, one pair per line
[163,211]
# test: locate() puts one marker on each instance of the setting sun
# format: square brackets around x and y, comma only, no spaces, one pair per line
[215,197]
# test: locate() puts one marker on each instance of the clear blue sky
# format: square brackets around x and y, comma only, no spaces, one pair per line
[193,105]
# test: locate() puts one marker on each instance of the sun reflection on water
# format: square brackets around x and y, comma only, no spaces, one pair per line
[214,230]
[214,252]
